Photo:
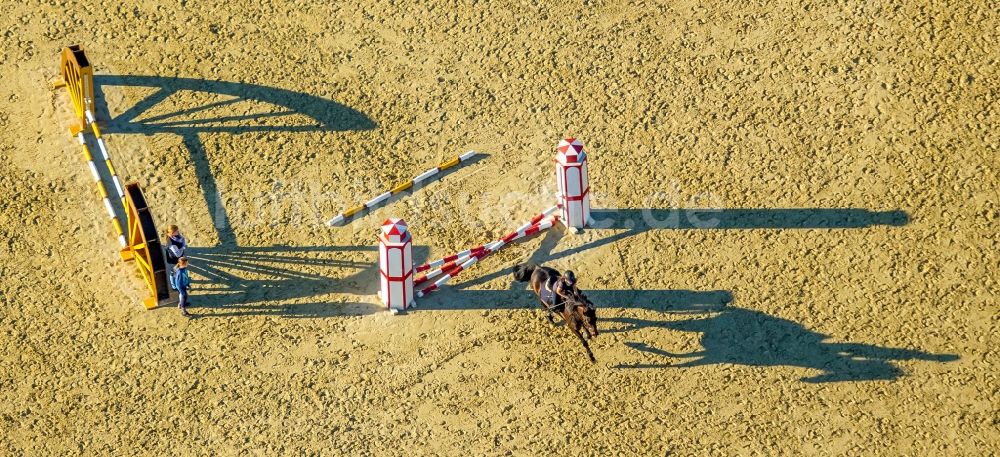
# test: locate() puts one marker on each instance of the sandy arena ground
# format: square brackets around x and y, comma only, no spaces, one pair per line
[841,300]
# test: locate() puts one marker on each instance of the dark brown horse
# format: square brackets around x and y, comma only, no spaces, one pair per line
[558,294]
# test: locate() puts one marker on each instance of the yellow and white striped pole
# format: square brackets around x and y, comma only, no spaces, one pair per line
[107,157]
[101,189]
[403,186]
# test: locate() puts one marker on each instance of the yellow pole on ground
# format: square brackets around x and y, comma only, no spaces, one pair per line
[400,187]
[100,189]
[105,155]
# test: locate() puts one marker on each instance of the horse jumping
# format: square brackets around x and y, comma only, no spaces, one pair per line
[558,293]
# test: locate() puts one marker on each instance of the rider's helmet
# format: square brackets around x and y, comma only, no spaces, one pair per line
[570,278]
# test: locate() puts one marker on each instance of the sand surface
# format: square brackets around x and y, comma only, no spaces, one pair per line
[845,301]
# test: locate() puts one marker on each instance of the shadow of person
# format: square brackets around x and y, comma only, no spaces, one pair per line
[747,337]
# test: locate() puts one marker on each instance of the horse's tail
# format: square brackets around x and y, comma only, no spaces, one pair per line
[522,272]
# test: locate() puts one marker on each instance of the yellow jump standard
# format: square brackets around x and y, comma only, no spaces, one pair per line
[141,242]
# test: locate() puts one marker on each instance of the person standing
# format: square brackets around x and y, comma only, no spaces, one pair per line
[176,244]
[180,280]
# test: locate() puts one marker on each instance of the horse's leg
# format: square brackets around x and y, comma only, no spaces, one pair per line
[553,314]
[548,312]
[575,327]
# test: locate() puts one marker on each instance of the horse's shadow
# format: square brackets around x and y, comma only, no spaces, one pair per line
[741,336]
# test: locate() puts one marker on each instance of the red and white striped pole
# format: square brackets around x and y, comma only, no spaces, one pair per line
[493,247]
[486,250]
[450,259]
[466,253]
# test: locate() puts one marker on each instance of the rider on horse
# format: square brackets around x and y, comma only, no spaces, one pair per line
[557,289]
[558,294]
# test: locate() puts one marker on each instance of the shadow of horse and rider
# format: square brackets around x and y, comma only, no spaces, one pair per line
[739,336]
[280,280]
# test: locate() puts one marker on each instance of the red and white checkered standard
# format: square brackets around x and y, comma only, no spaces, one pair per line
[573,183]
[395,252]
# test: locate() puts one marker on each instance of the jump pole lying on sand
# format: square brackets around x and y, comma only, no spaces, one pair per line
[105,155]
[490,248]
[89,116]
[100,189]
[403,186]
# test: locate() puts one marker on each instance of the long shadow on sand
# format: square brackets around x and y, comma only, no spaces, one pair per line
[272,281]
[627,223]
[729,335]
[733,335]
[301,112]
[297,112]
